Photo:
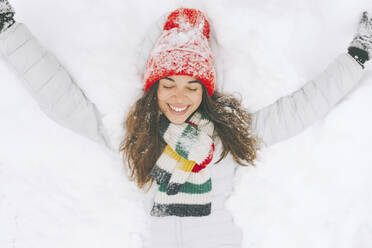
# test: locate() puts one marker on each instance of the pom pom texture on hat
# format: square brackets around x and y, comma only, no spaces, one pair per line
[182,49]
[187,18]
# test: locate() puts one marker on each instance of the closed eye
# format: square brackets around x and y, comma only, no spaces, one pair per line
[169,87]
[193,89]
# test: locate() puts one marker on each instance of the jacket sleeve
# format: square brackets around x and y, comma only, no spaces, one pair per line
[291,114]
[58,96]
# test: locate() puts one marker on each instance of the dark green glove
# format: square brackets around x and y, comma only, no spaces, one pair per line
[6,15]
[361,46]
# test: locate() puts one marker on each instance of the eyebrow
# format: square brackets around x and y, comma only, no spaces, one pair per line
[190,82]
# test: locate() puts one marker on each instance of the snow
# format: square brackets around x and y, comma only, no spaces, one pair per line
[58,189]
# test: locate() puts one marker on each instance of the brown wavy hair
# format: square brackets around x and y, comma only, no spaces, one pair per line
[142,144]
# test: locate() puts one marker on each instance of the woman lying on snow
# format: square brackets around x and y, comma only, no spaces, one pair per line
[182,133]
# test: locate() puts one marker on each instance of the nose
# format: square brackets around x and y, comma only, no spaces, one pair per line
[180,95]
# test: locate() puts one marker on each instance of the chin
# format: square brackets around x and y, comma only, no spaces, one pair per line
[177,120]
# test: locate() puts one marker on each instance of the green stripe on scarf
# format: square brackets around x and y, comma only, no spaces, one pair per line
[192,188]
[190,133]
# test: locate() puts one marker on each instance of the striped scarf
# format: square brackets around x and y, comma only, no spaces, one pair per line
[184,182]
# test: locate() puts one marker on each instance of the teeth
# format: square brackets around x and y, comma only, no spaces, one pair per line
[178,109]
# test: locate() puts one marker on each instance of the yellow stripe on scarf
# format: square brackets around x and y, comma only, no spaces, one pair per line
[183,164]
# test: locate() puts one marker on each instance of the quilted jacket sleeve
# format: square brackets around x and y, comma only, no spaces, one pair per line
[291,114]
[58,96]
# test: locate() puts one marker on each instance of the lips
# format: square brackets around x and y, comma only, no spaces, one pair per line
[174,109]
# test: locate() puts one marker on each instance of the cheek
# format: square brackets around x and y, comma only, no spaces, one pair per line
[162,96]
[197,98]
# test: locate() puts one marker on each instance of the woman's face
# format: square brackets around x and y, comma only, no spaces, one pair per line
[179,96]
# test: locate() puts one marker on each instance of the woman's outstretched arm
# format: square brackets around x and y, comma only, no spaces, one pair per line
[58,96]
[293,113]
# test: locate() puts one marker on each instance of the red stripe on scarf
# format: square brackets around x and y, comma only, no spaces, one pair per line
[192,123]
[199,167]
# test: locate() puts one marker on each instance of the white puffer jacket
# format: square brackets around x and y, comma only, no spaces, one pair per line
[63,101]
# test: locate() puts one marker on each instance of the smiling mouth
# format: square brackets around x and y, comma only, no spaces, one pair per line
[178,110]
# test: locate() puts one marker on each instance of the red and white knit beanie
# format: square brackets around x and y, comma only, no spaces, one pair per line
[182,49]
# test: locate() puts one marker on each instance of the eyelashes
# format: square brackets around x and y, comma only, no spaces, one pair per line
[166,87]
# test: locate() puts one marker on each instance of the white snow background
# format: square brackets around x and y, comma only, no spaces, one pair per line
[59,189]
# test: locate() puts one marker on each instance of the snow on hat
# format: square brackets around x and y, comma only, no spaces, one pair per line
[182,49]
